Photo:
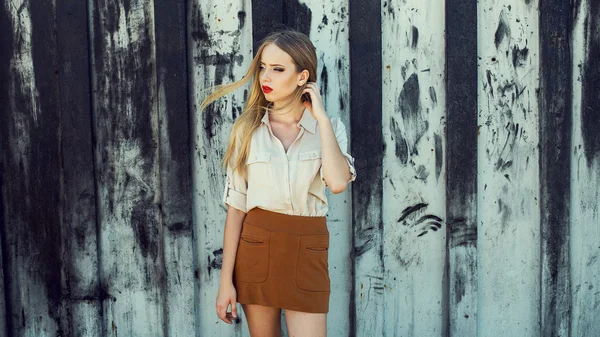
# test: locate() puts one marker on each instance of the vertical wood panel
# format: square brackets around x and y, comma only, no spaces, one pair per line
[3,292]
[6,53]
[555,164]
[413,167]
[80,284]
[267,16]
[508,166]
[126,158]
[175,165]
[585,168]
[461,166]
[221,51]
[366,306]
[31,170]
[329,33]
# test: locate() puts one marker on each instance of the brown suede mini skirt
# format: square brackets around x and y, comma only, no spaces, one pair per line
[282,262]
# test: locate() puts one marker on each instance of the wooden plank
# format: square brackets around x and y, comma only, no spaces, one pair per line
[508,192]
[221,50]
[80,284]
[585,168]
[3,292]
[6,53]
[127,168]
[461,166]
[31,170]
[175,165]
[366,306]
[329,33]
[555,165]
[413,168]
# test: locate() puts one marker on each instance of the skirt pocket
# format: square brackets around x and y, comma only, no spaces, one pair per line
[252,259]
[312,269]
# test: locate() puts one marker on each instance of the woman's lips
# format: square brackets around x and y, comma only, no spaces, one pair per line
[266,89]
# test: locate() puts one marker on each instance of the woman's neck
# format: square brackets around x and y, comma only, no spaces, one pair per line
[289,115]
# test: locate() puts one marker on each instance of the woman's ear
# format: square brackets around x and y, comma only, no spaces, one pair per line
[304,75]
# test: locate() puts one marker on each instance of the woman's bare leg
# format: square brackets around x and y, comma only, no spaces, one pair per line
[262,320]
[305,324]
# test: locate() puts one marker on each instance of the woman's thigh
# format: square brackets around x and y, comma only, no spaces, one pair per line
[262,320]
[305,324]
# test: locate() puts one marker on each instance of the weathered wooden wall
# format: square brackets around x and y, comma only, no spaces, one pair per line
[474,125]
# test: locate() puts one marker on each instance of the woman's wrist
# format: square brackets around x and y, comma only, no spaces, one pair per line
[226,279]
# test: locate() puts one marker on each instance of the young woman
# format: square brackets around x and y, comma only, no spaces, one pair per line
[283,151]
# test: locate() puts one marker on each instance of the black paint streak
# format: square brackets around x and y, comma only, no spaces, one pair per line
[216,262]
[297,16]
[433,96]
[415,37]
[198,31]
[142,220]
[323,23]
[411,209]
[439,156]
[503,29]
[519,56]
[590,101]
[488,75]
[415,121]
[512,134]
[242,18]
[401,145]
[461,161]
[555,95]
[323,85]
[367,138]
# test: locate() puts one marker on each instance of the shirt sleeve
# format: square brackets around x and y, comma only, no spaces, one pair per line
[342,139]
[235,187]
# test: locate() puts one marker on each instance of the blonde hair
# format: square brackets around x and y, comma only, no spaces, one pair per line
[303,53]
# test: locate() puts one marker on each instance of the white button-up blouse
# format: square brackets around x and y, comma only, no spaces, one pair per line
[290,183]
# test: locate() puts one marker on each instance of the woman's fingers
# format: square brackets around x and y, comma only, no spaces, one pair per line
[233,308]
[222,313]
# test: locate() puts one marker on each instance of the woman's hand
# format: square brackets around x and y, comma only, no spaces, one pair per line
[316,108]
[227,295]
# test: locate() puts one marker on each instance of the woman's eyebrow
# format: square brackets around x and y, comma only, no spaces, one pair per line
[281,65]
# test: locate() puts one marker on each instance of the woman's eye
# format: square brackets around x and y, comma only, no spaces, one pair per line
[278,69]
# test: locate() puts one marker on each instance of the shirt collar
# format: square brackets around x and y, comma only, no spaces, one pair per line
[307,121]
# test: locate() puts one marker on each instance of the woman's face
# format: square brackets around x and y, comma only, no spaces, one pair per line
[278,76]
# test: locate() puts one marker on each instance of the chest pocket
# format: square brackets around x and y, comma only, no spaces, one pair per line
[309,163]
[310,155]
[260,170]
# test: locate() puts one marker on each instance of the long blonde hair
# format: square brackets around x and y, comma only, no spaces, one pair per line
[303,53]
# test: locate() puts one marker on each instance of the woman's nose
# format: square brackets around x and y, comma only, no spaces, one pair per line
[264,76]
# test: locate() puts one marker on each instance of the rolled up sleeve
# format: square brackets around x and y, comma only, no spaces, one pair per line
[235,188]
[342,139]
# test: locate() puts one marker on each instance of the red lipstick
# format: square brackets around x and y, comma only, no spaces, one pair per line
[266,89]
